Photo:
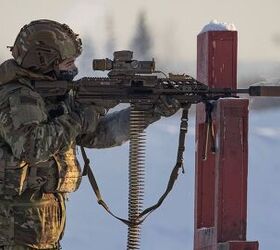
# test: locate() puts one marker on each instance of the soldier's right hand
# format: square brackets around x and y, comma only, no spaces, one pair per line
[86,115]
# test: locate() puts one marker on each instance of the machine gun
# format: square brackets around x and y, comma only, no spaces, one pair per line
[133,81]
[137,82]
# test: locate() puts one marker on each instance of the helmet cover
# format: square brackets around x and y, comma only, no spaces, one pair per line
[43,43]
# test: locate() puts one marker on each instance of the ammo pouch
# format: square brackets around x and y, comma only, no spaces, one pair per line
[62,174]
[68,173]
[13,174]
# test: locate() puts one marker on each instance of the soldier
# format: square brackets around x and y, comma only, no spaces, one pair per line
[38,136]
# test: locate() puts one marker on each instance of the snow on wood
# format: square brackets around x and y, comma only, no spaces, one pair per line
[214,25]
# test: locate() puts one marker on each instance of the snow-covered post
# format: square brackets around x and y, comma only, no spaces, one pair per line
[221,177]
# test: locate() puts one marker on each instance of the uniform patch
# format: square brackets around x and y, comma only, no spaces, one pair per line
[26,109]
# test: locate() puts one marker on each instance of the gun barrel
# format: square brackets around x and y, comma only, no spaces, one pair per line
[272,91]
[264,91]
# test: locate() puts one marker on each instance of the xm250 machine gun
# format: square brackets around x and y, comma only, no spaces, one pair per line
[137,82]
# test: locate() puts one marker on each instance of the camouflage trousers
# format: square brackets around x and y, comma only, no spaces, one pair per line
[18,247]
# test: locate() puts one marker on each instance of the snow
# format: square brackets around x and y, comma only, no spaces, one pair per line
[214,25]
[271,81]
[172,129]
[171,226]
[267,132]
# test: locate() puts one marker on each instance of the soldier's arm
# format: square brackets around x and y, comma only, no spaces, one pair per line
[112,130]
[25,127]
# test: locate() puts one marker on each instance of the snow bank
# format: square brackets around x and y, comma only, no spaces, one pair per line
[268,82]
[214,25]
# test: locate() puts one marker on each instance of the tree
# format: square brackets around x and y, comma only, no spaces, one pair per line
[141,43]
[110,36]
[85,60]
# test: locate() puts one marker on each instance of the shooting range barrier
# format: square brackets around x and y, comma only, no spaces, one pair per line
[221,176]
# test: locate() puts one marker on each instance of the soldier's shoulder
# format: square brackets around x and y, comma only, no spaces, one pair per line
[14,88]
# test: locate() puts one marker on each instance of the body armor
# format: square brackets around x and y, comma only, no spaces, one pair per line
[32,191]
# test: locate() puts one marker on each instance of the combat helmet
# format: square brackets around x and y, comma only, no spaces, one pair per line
[44,43]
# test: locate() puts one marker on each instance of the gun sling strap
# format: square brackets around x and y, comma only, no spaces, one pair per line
[173,177]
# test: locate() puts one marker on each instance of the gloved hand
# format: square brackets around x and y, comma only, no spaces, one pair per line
[87,115]
[166,106]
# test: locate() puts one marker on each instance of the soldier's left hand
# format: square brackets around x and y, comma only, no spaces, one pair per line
[166,106]
[90,115]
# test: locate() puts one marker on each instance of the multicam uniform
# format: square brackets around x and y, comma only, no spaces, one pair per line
[38,164]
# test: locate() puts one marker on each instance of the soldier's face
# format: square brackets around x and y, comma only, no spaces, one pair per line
[67,69]
[67,64]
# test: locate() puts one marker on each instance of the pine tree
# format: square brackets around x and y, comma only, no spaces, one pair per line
[85,60]
[110,36]
[141,43]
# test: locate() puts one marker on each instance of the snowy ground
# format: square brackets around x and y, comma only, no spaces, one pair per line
[171,226]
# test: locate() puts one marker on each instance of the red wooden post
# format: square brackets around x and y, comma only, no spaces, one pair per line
[221,179]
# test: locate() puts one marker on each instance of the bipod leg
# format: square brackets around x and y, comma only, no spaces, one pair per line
[209,131]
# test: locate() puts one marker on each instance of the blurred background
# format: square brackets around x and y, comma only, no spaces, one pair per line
[167,31]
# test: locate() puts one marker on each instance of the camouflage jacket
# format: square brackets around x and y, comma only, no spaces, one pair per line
[38,162]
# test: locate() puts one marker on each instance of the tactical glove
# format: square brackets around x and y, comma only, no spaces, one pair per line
[89,115]
[166,106]
[86,115]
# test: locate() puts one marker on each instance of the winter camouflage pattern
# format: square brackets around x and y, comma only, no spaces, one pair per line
[38,162]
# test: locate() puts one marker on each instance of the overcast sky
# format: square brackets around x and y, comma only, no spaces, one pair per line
[175,24]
